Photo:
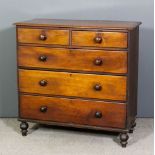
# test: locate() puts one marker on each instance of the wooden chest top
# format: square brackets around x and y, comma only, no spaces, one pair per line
[104,24]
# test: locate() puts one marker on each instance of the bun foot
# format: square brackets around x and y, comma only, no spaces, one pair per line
[131,131]
[132,127]
[24,126]
[123,139]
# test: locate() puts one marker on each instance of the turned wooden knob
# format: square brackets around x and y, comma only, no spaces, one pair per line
[98,39]
[42,37]
[42,58]
[43,83]
[43,109]
[97,87]
[98,114]
[98,62]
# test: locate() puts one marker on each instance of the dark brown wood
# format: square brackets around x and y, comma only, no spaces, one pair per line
[132,127]
[123,139]
[73,111]
[132,76]
[73,125]
[73,84]
[43,58]
[98,114]
[42,37]
[43,82]
[98,39]
[43,109]
[97,87]
[76,73]
[120,25]
[98,61]
[73,59]
[24,126]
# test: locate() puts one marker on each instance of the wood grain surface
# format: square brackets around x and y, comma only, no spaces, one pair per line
[73,111]
[73,59]
[109,39]
[73,84]
[105,24]
[53,36]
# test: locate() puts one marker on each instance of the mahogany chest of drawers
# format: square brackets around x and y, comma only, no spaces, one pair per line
[78,73]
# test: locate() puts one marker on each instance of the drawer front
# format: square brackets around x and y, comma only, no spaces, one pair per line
[99,39]
[84,112]
[73,84]
[84,60]
[43,36]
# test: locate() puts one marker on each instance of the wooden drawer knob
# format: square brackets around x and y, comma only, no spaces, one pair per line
[43,83]
[98,39]
[98,62]
[97,87]
[98,114]
[42,58]
[42,37]
[43,109]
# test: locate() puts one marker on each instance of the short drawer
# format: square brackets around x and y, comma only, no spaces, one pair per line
[99,39]
[81,60]
[43,36]
[73,84]
[84,112]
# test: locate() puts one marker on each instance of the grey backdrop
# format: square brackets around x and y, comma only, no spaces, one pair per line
[17,10]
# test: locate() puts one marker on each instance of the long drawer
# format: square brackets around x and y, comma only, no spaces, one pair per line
[75,59]
[85,112]
[73,84]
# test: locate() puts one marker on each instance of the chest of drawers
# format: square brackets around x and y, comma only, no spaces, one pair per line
[78,73]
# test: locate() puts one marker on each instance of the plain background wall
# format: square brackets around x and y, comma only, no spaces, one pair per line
[18,10]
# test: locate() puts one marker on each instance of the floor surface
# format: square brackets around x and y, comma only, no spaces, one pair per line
[65,141]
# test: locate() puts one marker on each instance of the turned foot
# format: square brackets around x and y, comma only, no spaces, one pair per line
[123,139]
[132,127]
[24,126]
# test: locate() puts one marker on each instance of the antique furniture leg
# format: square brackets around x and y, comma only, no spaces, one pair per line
[123,139]
[24,126]
[132,127]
